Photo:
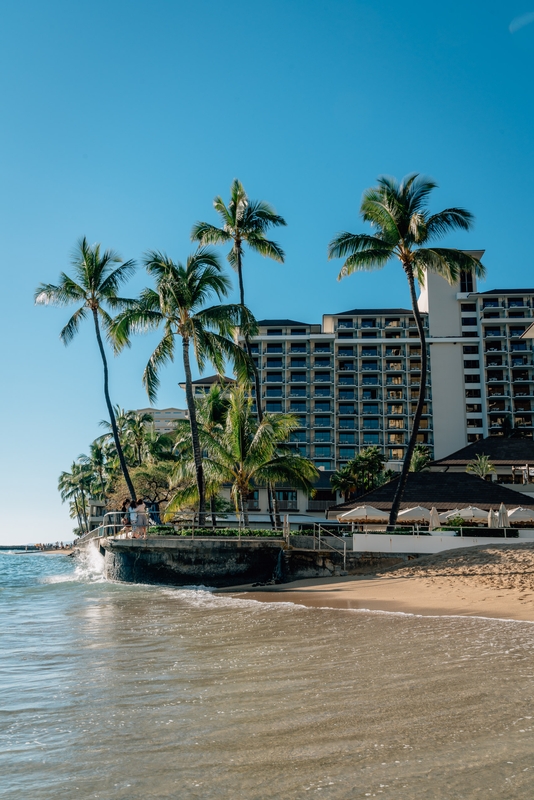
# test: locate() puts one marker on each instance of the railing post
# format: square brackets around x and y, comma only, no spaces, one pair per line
[319,537]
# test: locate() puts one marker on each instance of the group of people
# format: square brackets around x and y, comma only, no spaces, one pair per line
[134,518]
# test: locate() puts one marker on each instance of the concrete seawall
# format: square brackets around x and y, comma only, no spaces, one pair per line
[177,561]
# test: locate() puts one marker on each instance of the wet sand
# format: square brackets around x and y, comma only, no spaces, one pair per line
[494,581]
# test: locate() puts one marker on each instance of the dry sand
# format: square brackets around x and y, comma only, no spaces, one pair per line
[488,581]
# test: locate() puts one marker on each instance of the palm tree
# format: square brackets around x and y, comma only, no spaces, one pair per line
[420,458]
[136,431]
[247,453]
[95,285]
[243,221]
[75,486]
[481,466]
[404,229]
[178,305]
[96,463]
[344,481]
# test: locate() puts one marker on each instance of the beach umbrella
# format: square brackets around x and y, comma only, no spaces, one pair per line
[434,518]
[416,514]
[492,519]
[473,513]
[363,514]
[449,515]
[502,520]
[520,515]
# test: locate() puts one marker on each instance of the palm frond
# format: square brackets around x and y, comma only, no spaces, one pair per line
[346,244]
[450,219]
[71,328]
[109,286]
[163,353]
[366,261]
[205,233]
[266,248]
[64,293]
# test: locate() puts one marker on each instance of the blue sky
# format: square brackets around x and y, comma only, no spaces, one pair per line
[122,120]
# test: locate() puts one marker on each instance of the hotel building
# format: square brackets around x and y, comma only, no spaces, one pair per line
[353,380]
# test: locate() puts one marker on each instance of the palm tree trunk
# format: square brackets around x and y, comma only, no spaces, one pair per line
[78,514]
[420,403]
[111,413]
[257,385]
[244,508]
[197,453]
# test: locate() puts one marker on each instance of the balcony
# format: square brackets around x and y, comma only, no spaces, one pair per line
[320,505]
[287,505]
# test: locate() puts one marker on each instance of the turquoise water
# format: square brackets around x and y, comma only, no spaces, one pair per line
[114,691]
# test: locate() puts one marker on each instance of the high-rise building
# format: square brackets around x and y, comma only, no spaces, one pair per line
[353,381]
[164,418]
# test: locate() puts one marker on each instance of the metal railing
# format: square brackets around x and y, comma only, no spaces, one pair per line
[319,536]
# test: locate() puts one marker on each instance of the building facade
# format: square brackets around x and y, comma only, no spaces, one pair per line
[164,418]
[353,380]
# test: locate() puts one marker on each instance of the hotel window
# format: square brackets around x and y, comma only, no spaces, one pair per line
[274,406]
[370,365]
[297,391]
[472,392]
[254,348]
[301,422]
[394,351]
[370,424]
[516,302]
[396,453]
[474,378]
[473,408]
[321,391]
[298,331]
[490,304]
[274,331]
[298,362]
[322,377]
[369,408]
[394,394]
[345,366]
[322,450]
[344,323]
[348,380]
[298,377]
[474,423]
[345,351]
[321,436]
[369,351]
[322,464]
[516,331]
[395,409]
[287,499]
[368,323]
[395,438]
[344,335]
[395,380]
[371,438]
[471,364]
[322,362]
[297,348]
[274,377]
[395,423]
[346,438]
[518,346]
[367,380]
[274,362]
[470,349]
[322,347]
[469,322]
[345,408]
[322,405]
[275,348]
[392,323]
[297,436]
[297,406]
[346,424]
[466,281]
[274,391]
[369,394]
[346,452]
[346,394]
[394,365]
[322,422]
[468,307]
[493,331]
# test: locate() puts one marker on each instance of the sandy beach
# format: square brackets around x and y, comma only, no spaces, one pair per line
[487,581]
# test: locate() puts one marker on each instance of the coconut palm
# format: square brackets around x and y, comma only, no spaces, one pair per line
[74,486]
[136,432]
[247,453]
[178,305]
[344,481]
[404,229]
[96,464]
[243,221]
[481,466]
[94,286]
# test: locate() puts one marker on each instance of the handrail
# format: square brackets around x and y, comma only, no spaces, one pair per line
[319,527]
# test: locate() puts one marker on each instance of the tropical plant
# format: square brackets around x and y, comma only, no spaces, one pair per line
[74,486]
[420,458]
[246,453]
[403,228]
[344,481]
[96,463]
[94,286]
[480,466]
[152,483]
[243,221]
[178,305]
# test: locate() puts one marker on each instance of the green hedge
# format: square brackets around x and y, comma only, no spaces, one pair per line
[168,530]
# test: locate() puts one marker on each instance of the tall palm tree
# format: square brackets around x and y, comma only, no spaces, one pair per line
[404,229]
[75,486]
[243,221]
[247,453]
[178,305]
[96,463]
[136,432]
[94,286]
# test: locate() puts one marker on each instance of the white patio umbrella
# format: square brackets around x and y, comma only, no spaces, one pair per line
[473,513]
[434,518]
[446,515]
[502,519]
[363,514]
[520,515]
[416,514]
[492,519]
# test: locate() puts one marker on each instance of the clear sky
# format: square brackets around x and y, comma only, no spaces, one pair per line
[123,119]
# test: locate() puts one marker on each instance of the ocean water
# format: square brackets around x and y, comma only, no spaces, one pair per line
[139,692]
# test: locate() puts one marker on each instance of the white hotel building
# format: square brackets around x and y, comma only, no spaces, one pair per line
[353,381]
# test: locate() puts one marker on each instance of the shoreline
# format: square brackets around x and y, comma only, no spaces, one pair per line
[487,581]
